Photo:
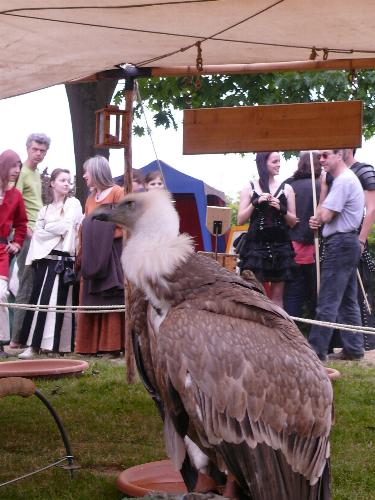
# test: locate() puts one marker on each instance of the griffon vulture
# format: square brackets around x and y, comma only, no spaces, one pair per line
[245,399]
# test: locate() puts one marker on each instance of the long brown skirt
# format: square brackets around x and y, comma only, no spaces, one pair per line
[100,332]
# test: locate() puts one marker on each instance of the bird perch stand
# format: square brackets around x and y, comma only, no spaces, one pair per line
[19,386]
[111,129]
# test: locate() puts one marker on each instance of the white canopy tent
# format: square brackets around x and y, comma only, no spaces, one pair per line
[46,42]
[49,42]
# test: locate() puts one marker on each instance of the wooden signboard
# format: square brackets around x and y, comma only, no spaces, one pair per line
[218,219]
[281,127]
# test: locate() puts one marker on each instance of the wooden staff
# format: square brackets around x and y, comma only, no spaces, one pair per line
[129,95]
[364,293]
[316,238]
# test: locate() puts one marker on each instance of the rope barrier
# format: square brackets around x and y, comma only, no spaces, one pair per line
[121,308]
[65,309]
[338,326]
[42,469]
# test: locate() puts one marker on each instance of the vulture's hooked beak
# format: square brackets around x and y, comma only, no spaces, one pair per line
[117,213]
[105,214]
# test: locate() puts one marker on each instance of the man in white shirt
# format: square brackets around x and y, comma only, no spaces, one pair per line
[341,212]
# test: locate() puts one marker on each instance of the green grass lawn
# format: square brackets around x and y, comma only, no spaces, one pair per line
[113,426]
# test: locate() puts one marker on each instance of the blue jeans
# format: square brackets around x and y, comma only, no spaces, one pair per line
[338,301]
[301,291]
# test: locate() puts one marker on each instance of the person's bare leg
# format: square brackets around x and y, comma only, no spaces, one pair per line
[277,292]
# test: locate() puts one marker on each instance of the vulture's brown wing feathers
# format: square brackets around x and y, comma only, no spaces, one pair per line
[253,389]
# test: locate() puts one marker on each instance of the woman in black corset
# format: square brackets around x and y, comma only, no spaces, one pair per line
[268,251]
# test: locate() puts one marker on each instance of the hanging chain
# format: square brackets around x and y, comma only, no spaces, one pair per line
[352,78]
[353,82]
[313,54]
[199,61]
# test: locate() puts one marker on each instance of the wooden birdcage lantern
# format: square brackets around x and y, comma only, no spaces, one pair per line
[111,125]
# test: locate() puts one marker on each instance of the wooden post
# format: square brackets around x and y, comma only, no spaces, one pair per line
[367,303]
[129,95]
[316,238]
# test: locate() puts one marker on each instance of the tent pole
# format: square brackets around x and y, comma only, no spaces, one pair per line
[129,95]
[274,67]
[232,69]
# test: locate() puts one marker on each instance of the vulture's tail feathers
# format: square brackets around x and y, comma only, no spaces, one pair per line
[325,483]
[189,473]
[264,474]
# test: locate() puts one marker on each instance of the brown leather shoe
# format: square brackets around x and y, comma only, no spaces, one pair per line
[3,354]
[344,356]
[15,345]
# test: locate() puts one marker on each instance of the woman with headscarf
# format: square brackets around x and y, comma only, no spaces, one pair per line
[270,206]
[13,228]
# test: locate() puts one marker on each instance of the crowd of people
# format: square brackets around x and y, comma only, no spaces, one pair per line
[53,244]
[60,256]
[279,244]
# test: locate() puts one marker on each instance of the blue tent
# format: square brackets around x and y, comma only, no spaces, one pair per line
[192,197]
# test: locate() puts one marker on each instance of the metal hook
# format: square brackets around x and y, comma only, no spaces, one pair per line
[199,61]
[313,54]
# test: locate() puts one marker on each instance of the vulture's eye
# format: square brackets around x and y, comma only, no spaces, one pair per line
[130,204]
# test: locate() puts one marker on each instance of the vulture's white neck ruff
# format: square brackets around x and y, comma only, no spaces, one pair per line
[155,249]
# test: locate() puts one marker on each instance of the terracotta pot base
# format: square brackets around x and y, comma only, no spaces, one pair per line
[333,374]
[147,478]
[42,368]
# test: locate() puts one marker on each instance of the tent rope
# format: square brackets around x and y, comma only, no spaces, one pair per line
[149,131]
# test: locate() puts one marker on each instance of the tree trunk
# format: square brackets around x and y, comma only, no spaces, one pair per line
[84,99]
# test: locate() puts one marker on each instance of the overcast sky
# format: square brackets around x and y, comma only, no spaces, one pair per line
[48,111]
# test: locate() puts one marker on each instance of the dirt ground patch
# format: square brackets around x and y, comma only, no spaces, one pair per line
[369,357]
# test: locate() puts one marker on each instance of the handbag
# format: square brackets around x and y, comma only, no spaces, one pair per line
[69,275]
[239,243]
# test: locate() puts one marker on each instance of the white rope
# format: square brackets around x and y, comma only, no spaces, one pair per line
[121,308]
[65,309]
[46,306]
[338,326]
[55,464]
